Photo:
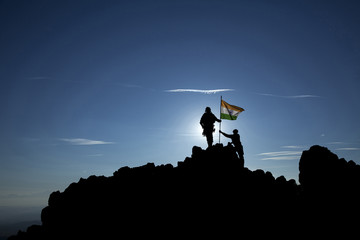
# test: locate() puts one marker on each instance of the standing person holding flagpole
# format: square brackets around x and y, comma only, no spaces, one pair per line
[207,123]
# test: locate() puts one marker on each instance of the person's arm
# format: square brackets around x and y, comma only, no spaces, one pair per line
[216,119]
[226,135]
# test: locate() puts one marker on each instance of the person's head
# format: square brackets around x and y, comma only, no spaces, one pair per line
[208,110]
[235,131]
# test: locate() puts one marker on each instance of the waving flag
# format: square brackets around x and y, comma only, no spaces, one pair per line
[228,111]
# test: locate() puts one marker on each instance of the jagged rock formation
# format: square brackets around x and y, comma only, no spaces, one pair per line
[330,192]
[209,193]
[324,175]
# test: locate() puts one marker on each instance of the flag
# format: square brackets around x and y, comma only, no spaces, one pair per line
[228,111]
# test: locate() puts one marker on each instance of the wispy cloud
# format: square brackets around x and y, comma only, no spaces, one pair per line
[282,155]
[282,158]
[337,143]
[293,147]
[348,149]
[212,91]
[83,141]
[289,96]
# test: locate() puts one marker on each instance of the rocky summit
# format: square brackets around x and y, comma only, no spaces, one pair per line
[210,194]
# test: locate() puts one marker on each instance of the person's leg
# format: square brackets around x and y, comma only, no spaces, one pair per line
[209,139]
[242,161]
[240,152]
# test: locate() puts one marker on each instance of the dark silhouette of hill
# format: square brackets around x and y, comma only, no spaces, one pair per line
[7,229]
[209,194]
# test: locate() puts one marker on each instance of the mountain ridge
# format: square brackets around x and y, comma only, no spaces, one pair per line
[209,193]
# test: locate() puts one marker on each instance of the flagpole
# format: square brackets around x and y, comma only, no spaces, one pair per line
[220,119]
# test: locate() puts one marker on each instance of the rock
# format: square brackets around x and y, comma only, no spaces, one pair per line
[209,192]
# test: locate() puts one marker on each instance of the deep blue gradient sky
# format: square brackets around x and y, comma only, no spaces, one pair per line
[84,85]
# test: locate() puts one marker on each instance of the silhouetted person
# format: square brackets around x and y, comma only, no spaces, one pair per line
[235,138]
[207,122]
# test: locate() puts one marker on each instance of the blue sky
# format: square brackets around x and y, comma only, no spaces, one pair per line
[88,87]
